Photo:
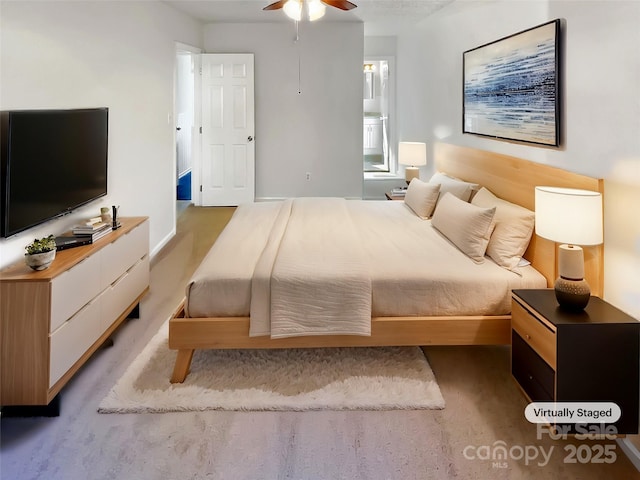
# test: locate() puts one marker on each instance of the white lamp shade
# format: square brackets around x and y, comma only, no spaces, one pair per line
[293,9]
[568,215]
[316,9]
[412,153]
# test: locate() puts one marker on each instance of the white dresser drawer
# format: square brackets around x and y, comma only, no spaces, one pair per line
[69,342]
[124,291]
[124,252]
[73,289]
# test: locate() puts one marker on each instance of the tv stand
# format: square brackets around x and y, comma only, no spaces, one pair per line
[53,320]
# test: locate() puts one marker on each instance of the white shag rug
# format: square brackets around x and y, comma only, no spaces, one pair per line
[376,378]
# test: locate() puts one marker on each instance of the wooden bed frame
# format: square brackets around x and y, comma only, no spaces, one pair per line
[510,178]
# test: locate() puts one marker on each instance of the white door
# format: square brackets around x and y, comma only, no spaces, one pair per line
[228,152]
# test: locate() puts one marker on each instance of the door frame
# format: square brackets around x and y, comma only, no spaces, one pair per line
[393,144]
[181,48]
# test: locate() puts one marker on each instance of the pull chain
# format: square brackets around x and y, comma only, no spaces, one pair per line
[299,87]
[299,61]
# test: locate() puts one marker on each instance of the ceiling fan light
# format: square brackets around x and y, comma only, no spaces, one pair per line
[316,9]
[293,9]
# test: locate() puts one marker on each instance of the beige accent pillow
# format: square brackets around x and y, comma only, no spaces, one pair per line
[421,197]
[511,235]
[467,226]
[457,187]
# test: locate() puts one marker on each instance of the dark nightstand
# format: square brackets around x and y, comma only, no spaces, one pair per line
[588,356]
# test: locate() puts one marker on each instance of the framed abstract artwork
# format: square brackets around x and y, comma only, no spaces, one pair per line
[511,87]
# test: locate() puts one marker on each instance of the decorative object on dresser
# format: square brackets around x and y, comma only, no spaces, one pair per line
[412,154]
[391,378]
[52,321]
[589,355]
[115,222]
[85,233]
[105,214]
[40,253]
[573,217]
[94,228]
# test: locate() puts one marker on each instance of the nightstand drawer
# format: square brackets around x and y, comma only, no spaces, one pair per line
[532,373]
[530,329]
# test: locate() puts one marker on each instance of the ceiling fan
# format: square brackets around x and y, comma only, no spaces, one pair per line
[315,8]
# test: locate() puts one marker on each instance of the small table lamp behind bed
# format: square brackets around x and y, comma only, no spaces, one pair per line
[412,154]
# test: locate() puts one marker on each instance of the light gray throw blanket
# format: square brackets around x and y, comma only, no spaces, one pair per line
[313,276]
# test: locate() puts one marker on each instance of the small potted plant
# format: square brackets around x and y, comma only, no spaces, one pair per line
[40,253]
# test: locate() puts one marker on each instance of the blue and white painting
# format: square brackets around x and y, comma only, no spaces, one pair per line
[511,87]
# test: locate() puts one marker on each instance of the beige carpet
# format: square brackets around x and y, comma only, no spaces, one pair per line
[381,378]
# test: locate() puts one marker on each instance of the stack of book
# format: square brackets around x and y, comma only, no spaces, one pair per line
[399,191]
[94,228]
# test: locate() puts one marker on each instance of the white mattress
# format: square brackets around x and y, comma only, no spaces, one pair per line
[414,270]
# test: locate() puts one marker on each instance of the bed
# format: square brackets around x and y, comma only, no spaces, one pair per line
[257,301]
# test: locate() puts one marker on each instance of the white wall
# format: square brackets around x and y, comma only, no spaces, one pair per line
[601,110]
[109,54]
[317,131]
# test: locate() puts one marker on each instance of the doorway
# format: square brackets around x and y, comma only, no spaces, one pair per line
[378,110]
[214,128]
[185,119]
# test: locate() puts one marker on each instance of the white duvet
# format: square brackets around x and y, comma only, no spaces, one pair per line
[335,263]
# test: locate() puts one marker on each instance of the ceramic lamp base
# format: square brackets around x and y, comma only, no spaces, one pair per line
[410,173]
[572,294]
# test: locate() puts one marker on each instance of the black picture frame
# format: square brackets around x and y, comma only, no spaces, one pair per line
[511,87]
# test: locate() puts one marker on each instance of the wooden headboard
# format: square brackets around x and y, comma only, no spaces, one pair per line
[514,179]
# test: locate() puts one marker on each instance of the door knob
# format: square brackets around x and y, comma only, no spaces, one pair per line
[250,138]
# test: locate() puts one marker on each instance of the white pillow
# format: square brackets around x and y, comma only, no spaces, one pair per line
[467,226]
[421,197]
[457,187]
[511,235]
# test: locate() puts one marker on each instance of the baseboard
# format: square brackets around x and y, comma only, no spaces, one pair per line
[162,243]
[270,199]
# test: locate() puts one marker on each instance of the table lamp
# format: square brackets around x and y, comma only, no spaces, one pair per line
[413,154]
[572,217]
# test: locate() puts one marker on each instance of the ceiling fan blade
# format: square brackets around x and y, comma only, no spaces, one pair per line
[341,4]
[276,5]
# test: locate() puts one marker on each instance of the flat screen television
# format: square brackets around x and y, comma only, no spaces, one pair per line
[53,161]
